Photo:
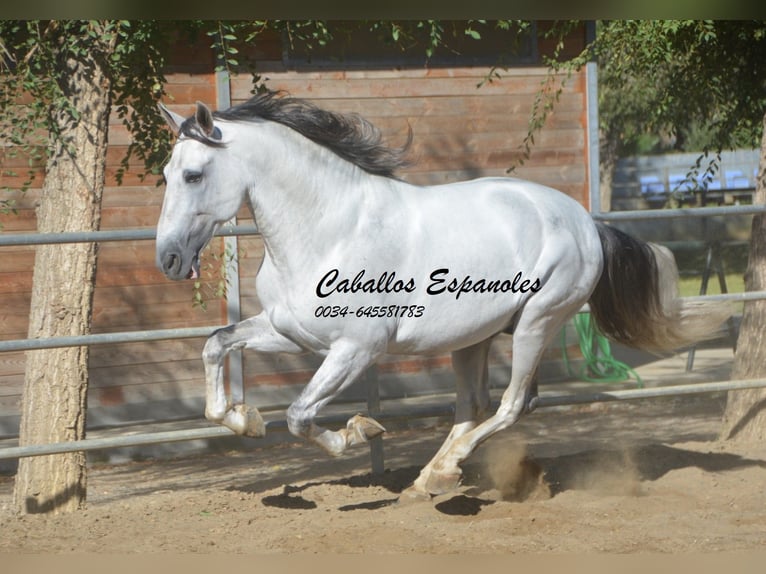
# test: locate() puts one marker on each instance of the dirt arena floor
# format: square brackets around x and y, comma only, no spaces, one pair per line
[636,477]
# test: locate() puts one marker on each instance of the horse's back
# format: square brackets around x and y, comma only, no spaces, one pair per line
[504,241]
[526,216]
[518,195]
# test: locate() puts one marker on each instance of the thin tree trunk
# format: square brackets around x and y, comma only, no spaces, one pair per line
[745,415]
[56,380]
[607,163]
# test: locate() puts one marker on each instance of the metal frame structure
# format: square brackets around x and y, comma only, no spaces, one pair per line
[210,432]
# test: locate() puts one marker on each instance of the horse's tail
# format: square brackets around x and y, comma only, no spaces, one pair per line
[636,302]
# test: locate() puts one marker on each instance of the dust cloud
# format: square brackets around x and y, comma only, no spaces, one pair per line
[516,476]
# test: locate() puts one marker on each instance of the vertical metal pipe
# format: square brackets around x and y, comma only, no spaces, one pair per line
[594,176]
[373,408]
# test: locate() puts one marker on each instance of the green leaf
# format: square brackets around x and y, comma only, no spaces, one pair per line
[473,34]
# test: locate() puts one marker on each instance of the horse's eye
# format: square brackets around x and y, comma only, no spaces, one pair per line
[192,176]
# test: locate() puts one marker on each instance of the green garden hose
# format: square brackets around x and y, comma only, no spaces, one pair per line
[599,365]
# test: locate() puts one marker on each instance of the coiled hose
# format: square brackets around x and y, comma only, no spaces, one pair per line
[598,363]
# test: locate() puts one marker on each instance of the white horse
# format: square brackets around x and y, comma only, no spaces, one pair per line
[359,263]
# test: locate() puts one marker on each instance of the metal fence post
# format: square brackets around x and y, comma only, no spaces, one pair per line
[231,263]
[373,407]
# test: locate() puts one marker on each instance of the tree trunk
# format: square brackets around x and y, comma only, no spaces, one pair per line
[56,380]
[745,415]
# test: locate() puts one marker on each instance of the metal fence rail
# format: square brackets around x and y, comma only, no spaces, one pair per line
[678,213]
[106,338]
[211,432]
[20,239]
[196,332]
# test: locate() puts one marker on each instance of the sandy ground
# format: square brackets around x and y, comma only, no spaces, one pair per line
[638,477]
[613,479]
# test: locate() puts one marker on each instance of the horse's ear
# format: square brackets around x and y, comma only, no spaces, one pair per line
[173,119]
[204,119]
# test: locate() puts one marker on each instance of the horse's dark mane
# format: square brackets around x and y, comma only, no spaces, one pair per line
[348,135]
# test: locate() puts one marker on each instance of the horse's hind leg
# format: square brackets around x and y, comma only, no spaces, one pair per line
[471,403]
[536,328]
[255,333]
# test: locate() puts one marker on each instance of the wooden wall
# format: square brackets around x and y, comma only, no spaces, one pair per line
[460,132]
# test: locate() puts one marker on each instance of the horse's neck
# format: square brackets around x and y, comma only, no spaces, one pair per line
[299,190]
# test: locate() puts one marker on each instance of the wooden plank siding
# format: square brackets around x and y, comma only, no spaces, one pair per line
[460,131]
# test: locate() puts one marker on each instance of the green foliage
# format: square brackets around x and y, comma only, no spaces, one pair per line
[680,85]
[22,126]
[684,85]
[215,262]
[552,86]
[35,96]
[137,79]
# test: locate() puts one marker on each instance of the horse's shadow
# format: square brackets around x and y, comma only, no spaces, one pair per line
[611,471]
[394,481]
[639,464]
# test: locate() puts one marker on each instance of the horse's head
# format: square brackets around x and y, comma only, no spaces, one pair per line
[203,190]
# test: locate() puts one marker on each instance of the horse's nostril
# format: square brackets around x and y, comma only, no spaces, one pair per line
[171,262]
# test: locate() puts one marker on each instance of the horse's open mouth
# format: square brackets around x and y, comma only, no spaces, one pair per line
[194,270]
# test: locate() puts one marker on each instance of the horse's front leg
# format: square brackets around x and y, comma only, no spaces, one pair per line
[343,365]
[255,333]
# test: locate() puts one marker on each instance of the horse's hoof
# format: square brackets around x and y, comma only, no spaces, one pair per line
[442,483]
[364,428]
[254,425]
[412,494]
[245,421]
